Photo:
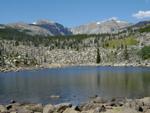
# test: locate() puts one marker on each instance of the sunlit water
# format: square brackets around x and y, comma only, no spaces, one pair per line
[74,84]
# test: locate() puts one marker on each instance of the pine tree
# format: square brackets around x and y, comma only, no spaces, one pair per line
[126,55]
[98,58]
[2,61]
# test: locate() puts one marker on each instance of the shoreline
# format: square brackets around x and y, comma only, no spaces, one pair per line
[50,66]
[94,105]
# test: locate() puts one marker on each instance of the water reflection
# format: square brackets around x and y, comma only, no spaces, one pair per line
[74,84]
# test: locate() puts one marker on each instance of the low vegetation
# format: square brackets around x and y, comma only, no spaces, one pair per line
[121,43]
[145,29]
[145,52]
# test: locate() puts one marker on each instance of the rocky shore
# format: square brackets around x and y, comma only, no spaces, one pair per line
[16,69]
[94,105]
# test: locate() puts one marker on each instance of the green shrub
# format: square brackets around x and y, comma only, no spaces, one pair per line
[145,52]
[145,29]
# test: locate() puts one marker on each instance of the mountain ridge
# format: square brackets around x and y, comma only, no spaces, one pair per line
[42,27]
[52,28]
[111,25]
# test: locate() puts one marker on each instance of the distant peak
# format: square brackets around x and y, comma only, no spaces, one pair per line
[113,19]
[43,21]
[116,20]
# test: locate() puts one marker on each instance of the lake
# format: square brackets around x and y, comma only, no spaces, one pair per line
[74,84]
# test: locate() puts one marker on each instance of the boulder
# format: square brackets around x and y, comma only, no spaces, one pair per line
[14,112]
[14,107]
[146,101]
[99,100]
[61,107]
[12,101]
[148,111]
[90,106]
[121,110]
[89,111]
[70,110]
[48,109]
[77,108]
[128,110]
[24,110]
[2,108]
[34,107]
[99,109]
[9,107]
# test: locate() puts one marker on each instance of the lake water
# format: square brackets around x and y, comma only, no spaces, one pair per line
[74,84]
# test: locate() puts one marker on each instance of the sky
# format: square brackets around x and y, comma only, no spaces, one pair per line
[73,12]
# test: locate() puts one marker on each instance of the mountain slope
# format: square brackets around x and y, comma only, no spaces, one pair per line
[53,27]
[108,26]
[42,27]
[142,23]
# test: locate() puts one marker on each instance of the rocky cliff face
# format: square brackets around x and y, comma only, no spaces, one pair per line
[108,26]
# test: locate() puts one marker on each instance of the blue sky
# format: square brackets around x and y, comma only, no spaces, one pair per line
[73,12]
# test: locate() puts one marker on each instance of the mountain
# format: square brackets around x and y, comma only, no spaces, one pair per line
[53,27]
[29,29]
[2,26]
[41,27]
[109,26]
[142,23]
[50,28]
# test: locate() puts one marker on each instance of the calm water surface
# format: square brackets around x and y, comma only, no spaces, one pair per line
[74,84]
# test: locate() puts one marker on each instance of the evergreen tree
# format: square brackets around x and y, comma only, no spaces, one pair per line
[2,62]
[98,58]
[126,55]
[16,43]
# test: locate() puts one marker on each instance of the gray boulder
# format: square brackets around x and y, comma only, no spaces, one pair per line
[70,110]
[48,109]
[2,109]
[61,107]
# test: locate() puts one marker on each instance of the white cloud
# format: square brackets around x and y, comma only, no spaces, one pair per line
[142,14]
